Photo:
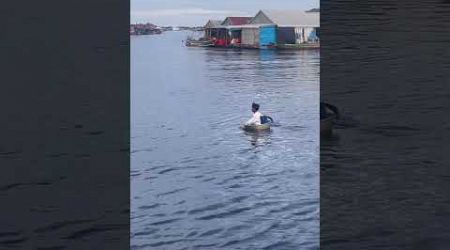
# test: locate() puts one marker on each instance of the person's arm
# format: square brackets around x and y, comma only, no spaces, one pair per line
[251,121]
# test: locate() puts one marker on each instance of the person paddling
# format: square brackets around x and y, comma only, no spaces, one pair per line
[256,118]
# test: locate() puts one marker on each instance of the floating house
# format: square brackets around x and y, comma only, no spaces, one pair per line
[267,29]
[233,25]
[250,36]
[292,26]
[212,28]
[281,29]
[222,33]
[236,20]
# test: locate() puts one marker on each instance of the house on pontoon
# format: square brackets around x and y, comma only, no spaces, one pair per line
[267,29]
[233,25]
[222,33]
[279,29]
[287,27]
[212,28]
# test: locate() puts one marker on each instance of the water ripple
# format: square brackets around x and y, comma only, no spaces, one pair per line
[203,183]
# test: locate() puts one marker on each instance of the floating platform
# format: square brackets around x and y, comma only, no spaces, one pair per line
[207,43]
[299,46]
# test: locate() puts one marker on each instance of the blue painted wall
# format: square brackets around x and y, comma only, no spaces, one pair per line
[267,36]
[313,36]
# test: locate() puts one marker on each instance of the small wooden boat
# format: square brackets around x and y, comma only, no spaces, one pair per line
[256,128]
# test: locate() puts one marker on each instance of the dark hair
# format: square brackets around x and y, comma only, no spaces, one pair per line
[255,106]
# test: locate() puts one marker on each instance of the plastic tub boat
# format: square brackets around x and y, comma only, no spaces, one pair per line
[262,127]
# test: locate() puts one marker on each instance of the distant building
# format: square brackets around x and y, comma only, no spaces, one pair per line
[144,29]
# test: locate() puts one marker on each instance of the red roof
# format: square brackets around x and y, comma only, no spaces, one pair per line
[237,20]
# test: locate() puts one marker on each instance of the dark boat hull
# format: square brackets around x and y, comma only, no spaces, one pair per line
[326,125]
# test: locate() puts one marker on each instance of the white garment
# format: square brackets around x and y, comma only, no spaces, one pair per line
[255,120]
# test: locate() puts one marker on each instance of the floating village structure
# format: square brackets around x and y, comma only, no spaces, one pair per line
[144,29]
[267,29]
[212,29]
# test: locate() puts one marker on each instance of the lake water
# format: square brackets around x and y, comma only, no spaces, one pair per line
[197,180]
[385,170]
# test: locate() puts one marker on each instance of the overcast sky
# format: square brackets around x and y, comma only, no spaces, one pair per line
[198,12]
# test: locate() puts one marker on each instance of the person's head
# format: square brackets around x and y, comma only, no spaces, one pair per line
[255,107]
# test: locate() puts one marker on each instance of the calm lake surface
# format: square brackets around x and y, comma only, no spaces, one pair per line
[197,180]
[385,171]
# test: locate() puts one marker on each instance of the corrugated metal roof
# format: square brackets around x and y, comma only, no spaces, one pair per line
[213,23]
[248,26]
[237,20]
[293,17]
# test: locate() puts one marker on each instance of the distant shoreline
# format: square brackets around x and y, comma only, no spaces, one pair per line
[152,29]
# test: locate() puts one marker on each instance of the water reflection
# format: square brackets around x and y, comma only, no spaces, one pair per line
[383,172]
[258,138]
[267,54]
